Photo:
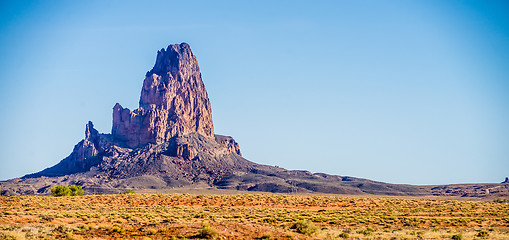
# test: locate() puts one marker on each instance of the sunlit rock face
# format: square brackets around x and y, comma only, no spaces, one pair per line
[173,102]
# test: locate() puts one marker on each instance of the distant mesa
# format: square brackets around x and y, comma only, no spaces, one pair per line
[169,142]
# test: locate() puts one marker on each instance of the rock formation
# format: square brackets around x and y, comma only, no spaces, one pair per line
[169,142]
[173,102]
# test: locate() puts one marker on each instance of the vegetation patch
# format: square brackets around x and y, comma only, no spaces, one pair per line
[248,216]
[305,227]
[73,190]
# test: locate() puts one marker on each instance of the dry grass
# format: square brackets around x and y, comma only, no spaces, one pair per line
[247,216]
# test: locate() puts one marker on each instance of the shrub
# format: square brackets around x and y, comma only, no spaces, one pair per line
[482,234]
[72,236]
[128,192]
[458,236]
[117,229]
[72,190]
[76,190]
[208,232]
[266,236]
[367,231]
[47,218]
[305,227]
[60,190]
[344,235]
[61,229]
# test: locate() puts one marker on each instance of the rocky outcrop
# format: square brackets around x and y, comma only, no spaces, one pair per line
[169,142]
[229,143]
[170,136]
[173,102]
[85,154]
[90,145]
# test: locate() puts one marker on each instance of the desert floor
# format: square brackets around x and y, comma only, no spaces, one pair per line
[249,216]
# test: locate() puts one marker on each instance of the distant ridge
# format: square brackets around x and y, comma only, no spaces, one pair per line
[169,142]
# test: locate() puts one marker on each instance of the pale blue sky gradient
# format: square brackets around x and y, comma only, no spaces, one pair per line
[396,91]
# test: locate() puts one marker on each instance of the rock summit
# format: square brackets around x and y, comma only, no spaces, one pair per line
[173,102]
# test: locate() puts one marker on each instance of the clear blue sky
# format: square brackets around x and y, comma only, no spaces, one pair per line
[397,91]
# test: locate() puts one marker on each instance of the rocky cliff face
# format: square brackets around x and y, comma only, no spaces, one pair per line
[173,102]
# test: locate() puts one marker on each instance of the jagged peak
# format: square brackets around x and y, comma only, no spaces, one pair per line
[169,60]
[117,106]
[91,133]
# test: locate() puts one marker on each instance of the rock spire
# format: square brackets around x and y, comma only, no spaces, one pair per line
[173,102]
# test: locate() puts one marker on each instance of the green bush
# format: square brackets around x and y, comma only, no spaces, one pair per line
[128,192]
[72,190]
[208,232]
[76,190]
[344,235]
[60,190]
[305,227]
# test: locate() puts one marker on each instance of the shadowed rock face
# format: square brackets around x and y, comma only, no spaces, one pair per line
[173,102]
[84,155]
